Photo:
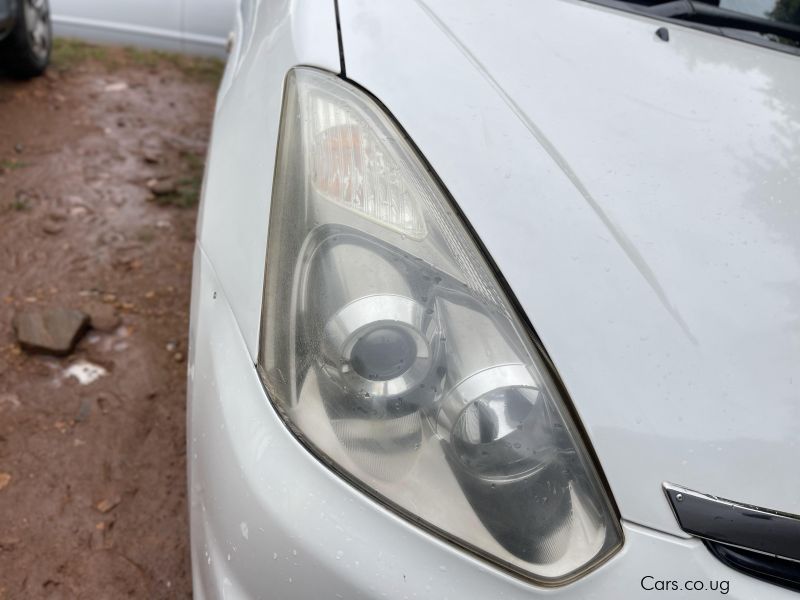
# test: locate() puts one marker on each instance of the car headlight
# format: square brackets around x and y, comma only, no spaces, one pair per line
[392,352]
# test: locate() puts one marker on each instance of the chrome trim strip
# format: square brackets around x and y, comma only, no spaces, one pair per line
[741,525]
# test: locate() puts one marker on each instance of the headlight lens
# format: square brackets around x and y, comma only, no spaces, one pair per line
[390,348]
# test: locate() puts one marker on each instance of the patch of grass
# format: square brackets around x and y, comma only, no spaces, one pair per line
[148,59]
[11,164]
[187,188]
[20,204]
[195,163]
[204,69]
[185,196]
[68,54]
[194,67]
[145,235]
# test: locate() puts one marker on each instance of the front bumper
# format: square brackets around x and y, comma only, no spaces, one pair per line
[268,520]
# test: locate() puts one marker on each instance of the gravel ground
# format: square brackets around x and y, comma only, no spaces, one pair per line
[100,166]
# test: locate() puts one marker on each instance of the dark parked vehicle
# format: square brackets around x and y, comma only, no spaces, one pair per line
[26,36]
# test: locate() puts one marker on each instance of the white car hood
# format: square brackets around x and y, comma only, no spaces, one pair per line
[642,198]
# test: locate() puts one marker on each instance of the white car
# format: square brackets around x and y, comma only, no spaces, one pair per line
[191,26]
[500,300]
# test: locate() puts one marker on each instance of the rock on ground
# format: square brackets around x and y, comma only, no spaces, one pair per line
[103,317]
[50,331]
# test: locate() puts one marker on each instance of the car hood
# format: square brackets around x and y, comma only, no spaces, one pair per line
[642,198]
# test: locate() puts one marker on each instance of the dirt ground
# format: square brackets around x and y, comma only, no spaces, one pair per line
[92,476]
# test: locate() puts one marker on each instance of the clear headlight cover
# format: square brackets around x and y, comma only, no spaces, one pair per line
[390,349]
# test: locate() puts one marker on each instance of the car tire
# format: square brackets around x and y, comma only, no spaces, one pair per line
[25,52]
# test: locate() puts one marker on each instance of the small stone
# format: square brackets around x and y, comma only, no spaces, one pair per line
[5,479]
[151,156]
[8,544]
[9,399]
[177,357]
[84,410]
[108,504]
[103,317]
[50,331]
[116,87]
[19,148]
[52,227]
[161,187]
